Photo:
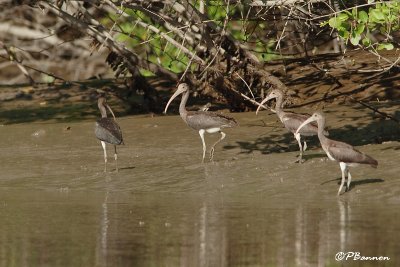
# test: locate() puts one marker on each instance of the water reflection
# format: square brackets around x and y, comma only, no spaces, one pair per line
[215,229]
[57,208]
[101,250]
[344,218]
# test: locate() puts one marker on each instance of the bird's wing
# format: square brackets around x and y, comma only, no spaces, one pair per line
[109,131]
[346,153]
[292,121]
[296,119]
[207,120]
[298,116]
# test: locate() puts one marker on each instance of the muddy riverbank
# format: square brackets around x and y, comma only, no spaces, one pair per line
[253,206]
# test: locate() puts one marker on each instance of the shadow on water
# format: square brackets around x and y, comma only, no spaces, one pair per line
[273,143]
[357,130]
[61,102]
[314,156]
[127,168]
[66,113]
[365,181]
[355,183]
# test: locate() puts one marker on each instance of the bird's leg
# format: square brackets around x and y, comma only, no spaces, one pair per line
[201,133]
[297,136]
[348,180]
[343,168]
[116,158]
[103,144]
[212,148]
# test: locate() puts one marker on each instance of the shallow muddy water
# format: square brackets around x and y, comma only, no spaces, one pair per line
[253,206]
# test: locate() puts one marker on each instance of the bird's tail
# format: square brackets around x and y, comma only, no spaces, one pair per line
[233,122]
[371,161]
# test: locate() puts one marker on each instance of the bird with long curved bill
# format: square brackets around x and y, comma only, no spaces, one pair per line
[291,120]
[341,152]
[108,131]
[202,121]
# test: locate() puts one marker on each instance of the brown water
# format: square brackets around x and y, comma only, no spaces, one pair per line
[253,206]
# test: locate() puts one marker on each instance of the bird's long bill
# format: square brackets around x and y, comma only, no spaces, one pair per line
[112,113]
[307,121]
[178,92]
[262,103]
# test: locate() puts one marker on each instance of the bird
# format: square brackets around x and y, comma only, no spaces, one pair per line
[202,121]
[108,131]
[291,120]
[341,152]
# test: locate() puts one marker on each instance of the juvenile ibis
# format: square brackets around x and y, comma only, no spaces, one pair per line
[202,121]
[341,152]
[108,131]
[291,120]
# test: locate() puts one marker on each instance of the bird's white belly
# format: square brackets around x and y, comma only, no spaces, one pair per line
[353,164]
[213,130]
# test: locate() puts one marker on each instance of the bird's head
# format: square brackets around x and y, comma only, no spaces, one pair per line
[316,116]
[182,88]
[275,93]
[102,104]
[272,95]
[101,100]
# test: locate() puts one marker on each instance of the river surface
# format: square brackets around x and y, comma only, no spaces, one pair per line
[252,206]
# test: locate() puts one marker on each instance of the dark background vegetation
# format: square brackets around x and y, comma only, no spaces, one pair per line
[55,55]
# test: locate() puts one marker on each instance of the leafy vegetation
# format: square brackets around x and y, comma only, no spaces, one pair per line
[223,48]
[360,24]
[133,30]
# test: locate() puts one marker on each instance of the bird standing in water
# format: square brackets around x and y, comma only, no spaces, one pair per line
[291,120]
[341,152]
[202,121]
[108,131]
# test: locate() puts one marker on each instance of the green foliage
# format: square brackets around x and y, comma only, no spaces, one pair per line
[147,43]
[155,48]
[217,11]
[358,25]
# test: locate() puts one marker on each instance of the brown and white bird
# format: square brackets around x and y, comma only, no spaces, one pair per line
[202,121]
[291,120]
[108,131]
[341,152]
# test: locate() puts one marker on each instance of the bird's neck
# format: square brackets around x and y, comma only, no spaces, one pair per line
[278,107]
[321,128]
[103,111]
[182,106]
